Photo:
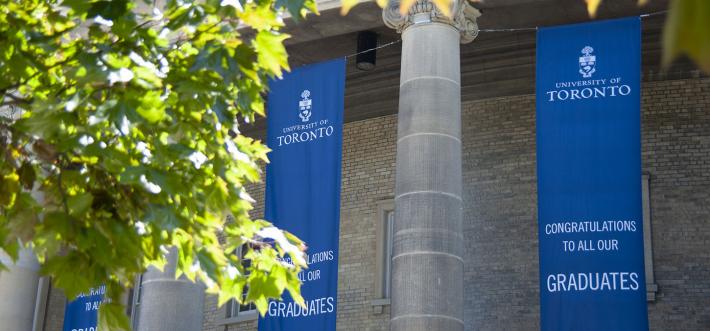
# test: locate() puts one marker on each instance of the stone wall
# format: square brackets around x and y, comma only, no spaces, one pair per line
[54,316]
[500,213]
[367,178]
[676,153]
[500,210]
[369,149]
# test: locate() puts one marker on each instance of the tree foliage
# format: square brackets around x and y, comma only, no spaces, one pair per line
[120,138]
[687,30]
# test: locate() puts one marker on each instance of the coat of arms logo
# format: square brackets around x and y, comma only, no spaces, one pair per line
[587,62]
[304,106]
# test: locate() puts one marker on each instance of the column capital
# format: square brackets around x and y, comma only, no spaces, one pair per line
[424,11]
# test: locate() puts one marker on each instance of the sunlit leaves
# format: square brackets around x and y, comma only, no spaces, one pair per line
[110,10]
[125,141]
[151,107]
[298,8]
[112,317]
[592,6]
[271,52]
[687,31]
[346,5]
[79,203]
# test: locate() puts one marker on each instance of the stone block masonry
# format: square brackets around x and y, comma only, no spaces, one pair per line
[500,207]
[500,213]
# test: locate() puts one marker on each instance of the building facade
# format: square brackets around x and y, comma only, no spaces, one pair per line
[495,177]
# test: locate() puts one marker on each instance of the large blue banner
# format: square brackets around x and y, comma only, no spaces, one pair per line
[305,123]
[589,177]
[81,313]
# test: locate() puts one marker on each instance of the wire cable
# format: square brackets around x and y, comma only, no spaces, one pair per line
[487,31]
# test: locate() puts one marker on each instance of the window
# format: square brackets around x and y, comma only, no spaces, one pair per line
[651,287]
[383,263]
[234,311]
[132,300]
[41,303]
[387,260]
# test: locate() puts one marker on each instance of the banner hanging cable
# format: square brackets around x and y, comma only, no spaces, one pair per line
[486,31]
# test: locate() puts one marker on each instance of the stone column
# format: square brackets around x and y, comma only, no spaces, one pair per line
[169,304]
[18,291]
[427,267]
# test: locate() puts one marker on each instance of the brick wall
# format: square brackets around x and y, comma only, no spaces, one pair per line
[367,178]
[54,316]
[676,153]
[500,210]
[500,213]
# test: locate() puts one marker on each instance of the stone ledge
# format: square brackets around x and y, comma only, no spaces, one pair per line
[379,304]
[243,317]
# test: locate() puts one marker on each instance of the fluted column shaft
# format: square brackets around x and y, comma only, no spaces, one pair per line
[427,264]
[169,304]
[18,291]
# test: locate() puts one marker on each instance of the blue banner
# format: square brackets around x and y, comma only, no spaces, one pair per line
[81,313]
[304,131]
[589,177]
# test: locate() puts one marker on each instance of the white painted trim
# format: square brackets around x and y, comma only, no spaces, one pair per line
[430,192]
[457,139]
[651,286]
[41,304]
[249,315]
[429,77]
[430,230]
[427,316]
[427,253]
[383,207]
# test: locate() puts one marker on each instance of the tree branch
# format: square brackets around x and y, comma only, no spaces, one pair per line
[16,103]
[61,190]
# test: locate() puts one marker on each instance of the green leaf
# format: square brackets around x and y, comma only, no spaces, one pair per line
[79,6]
[296,7]
[112,317]
[261,288]
[9,186]
[260,17]
[152,107]
[280,278]
[271,52]
[687,31]
[163,218]
[108,9]
[346,5]
[80,203]
[23,217]
[221,110]
[592,6]
[11,246]
[104,220]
